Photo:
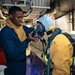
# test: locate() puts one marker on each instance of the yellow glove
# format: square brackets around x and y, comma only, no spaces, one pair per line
[71,60]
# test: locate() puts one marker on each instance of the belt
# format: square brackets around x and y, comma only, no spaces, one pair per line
[8,60]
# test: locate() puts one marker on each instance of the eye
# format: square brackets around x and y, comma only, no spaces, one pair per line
[19,17]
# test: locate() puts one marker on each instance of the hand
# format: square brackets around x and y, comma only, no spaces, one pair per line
[32,38]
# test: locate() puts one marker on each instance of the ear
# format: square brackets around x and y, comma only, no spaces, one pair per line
[11,16]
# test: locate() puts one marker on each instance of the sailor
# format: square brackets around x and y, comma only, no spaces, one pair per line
[60,48]
[14,39]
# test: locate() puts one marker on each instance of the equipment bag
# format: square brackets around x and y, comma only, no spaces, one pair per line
[72,68]
[48,69]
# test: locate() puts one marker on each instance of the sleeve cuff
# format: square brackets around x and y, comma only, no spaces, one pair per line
[27,40]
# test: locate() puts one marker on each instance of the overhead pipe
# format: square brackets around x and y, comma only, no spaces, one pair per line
[73,19]
[22,5]
[63,14]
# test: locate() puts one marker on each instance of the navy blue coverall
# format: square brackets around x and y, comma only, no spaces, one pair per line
[15,50]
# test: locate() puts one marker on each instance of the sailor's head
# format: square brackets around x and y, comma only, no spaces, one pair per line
[16,15]
[47,22]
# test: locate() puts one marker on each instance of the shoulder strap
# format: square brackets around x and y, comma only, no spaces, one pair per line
[56,32]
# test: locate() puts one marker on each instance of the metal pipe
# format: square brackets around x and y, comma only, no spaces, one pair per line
[22,5]
[40,7]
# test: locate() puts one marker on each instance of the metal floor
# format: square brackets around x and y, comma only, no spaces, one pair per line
[31,69]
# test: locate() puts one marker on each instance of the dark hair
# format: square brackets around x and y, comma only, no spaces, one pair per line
[13,9]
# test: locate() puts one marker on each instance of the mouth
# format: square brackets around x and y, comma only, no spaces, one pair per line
[20,23]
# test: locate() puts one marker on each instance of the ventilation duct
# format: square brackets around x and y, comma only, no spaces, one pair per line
[32,8]
[33,3]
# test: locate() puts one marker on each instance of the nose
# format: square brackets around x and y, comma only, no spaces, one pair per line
[21,19]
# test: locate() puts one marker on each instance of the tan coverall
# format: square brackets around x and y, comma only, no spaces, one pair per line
[61,51]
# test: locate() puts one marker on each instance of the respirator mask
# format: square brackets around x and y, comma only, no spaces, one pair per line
[39,30]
